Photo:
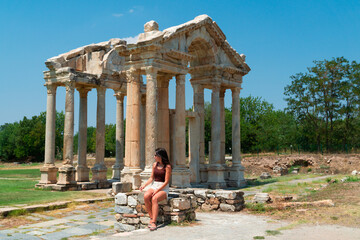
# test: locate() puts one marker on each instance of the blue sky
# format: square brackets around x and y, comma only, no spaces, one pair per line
[279,38]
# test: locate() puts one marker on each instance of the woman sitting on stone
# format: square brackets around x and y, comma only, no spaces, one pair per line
[159,190]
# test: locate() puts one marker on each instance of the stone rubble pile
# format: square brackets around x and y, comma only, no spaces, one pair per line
[131,213]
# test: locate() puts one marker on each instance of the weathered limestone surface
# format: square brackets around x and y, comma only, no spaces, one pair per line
[197,47]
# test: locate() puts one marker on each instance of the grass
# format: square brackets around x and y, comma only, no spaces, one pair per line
[20,173]
[272,232]
[259,237]
[19,188]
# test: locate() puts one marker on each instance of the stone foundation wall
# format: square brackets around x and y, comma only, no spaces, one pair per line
[180,206]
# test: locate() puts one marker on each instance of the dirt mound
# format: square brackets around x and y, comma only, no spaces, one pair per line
[315,163]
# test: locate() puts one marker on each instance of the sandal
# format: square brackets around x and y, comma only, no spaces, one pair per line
[153,226]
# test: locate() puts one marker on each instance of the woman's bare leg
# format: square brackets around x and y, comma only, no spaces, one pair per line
[148,205]
[155,204]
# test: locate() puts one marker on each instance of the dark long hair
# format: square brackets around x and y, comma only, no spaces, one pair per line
[161,152]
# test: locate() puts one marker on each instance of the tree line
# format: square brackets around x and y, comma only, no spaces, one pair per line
[322,114]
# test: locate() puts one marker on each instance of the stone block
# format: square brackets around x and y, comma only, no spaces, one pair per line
[132,200]
[200,193]
[232,202]
[124,209]
[212,201]
[145,220]
[265,175]
[180,203]
[141,198]
[118,217]
[120,227]
[103,184]
[133,221]
[227,194]
[178,218]
[118,187]
[227,207]
[121,199]
[140,208]
[166,208]
[206,207]
[163,202]
[261,198]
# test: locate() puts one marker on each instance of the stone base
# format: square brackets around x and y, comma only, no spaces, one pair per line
[48,174]
[216,176]
[145,175]
[82,174]
[120,187]
[87,185]
[116,173]
[180,178]
[236,176]
[67,176]
[99,172]
[132,176]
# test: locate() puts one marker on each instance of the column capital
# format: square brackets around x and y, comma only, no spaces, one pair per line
[198,88]
[51,88]
[101,90]
[235,90]
[150,70]
[83,91]
[132,75]
[119,95]
[180,79]
[69,85]
[216,87]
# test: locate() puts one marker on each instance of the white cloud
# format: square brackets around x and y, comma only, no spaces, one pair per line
[131,10]
[118,15]
[130,40]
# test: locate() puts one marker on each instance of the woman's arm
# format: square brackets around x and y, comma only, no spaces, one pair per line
[167,179]
[150,180]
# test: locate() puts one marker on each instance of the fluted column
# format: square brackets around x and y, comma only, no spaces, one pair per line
[222,125]
[67,170]
[199,107]
[163,135]
[151,121]
[131,171]
[236,177]
[82,170]
[48,171]
[119,162]
[99,170]
[142,130]
[215,169]
[181,173]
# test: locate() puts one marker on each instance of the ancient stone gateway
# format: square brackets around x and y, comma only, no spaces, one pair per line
[198,48]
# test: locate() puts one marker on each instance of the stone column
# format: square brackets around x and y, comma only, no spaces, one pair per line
[67,170]
[99,170]
[82,170]
[194,140]
[215,169]
[199,108]
[181,173]
[151,122]
[236,178]
[48,171]
[119,162]
[222,125]
[131,171]
[142,130]
[163,136]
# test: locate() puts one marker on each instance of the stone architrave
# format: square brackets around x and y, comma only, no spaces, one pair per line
[82,170]
[49,171]
[180,173]
[119,162]
[236,178]
[67,170]
[99,170]
[199,108]
[131,171]
[215,169]
[151,122]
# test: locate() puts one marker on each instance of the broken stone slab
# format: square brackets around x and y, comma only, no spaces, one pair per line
[227,194]
[120,227]
[321,203]
[124,209]
[120,187]
[261,198]
[265,175]
[179,203]
[354,173]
